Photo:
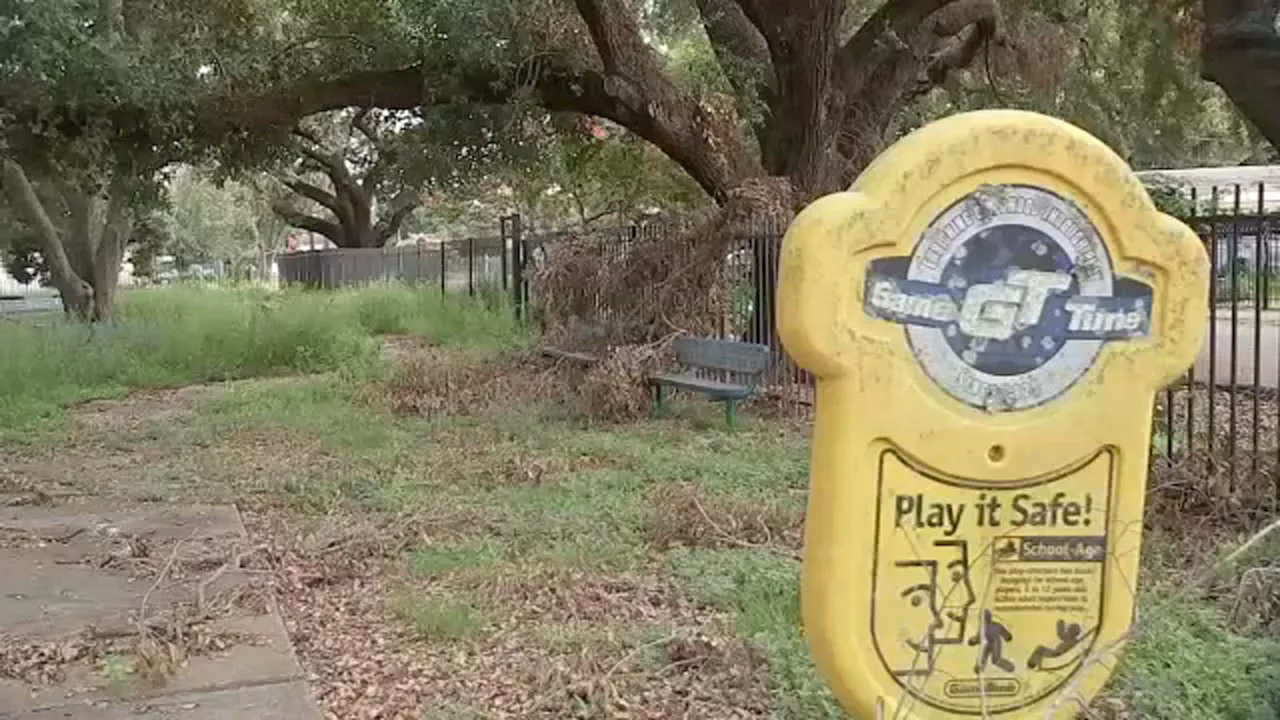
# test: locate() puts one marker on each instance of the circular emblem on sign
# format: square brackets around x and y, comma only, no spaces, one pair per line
[1008,297]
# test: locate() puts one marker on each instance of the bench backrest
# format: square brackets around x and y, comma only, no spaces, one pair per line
[725,355]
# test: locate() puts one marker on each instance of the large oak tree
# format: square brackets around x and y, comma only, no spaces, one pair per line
[802,94]
[815,84]
[351,175]
[97,97]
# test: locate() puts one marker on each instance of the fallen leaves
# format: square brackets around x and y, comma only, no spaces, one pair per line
[560,642]
[684,515]
[432,382]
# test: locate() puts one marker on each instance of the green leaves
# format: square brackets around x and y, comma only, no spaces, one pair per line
[1124,71]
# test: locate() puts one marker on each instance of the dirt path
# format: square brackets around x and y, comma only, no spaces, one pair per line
[116,607]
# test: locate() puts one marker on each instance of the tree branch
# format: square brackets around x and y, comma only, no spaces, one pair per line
[898,55]
[307,135]
[960,14]
[390,225]
[307,222]
[369,182]
[675,123]
[332,164]
[361,122]
[616,33]
[349,201]
[730,30]
[311,192]
[1240,52]
[743,56]
[754,12]
[881,36]
[981,25]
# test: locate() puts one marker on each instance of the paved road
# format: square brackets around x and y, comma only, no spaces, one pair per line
[30,304]
[1268,364]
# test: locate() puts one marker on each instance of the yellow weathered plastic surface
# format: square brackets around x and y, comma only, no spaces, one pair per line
[884,431]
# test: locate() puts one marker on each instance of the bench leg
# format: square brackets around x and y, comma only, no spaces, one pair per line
[731,413]
[658,408]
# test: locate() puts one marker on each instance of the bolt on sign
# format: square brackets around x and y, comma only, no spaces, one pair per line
[989,311]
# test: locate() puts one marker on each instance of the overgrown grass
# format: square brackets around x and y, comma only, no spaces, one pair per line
[183,335]
[762,590]
[536,487]
[1185,663]
[439,619]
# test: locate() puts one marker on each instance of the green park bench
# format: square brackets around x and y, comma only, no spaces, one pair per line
[743,364]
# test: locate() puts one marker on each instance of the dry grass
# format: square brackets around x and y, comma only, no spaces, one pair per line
[684,516]
[614,389]
[431,382]
[531,469]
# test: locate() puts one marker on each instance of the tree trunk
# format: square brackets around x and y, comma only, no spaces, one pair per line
[109,255]
[351,203]
[85,256]
[76,293]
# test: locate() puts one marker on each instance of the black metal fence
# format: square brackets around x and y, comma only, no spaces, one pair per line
[1223,416]
[471,265]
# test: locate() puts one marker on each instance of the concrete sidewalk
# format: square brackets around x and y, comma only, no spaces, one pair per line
[73,574]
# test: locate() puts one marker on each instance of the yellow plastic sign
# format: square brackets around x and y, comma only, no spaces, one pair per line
[989,312]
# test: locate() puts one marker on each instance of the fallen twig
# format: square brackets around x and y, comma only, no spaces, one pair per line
[234,563]
[164,571]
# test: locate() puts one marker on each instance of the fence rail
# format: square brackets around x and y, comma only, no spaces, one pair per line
[457,266]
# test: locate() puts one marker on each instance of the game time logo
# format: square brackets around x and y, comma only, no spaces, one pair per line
[1008,297]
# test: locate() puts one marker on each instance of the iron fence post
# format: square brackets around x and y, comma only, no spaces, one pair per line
[517,265]
[503,223]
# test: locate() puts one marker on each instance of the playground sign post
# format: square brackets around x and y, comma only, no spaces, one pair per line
[989,312]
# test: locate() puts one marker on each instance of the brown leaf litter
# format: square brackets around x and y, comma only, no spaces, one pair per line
[560,641]
[138,408]
[683,515]
[614,387]
[435,382]
[156,640]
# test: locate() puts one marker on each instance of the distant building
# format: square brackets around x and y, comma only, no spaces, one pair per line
[303,241]
[1252,180]
[9,286]
[1249,193]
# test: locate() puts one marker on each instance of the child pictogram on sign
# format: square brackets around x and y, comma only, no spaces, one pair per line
[992,636]
[1069,636]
